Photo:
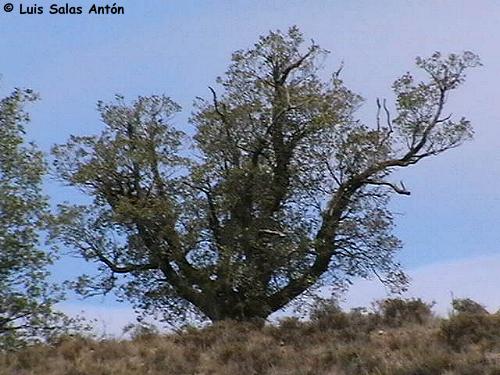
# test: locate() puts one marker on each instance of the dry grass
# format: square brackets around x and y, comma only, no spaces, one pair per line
[399,339]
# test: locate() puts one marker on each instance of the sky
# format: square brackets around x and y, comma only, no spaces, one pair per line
[448,224]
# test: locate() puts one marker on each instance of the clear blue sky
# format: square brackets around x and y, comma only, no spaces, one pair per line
[179,47]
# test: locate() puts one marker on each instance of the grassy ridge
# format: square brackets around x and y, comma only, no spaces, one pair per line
[398,338]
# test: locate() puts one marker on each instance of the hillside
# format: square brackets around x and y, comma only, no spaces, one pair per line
[397,338]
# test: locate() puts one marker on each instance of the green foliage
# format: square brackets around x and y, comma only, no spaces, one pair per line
[26,298]
[283,190]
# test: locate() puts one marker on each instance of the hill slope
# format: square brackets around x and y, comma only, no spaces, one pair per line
[399,338]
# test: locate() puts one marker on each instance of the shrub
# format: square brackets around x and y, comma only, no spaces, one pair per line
[470,323]
[396,311]
[468,306]
[142,331]
[464,329]
[329,316]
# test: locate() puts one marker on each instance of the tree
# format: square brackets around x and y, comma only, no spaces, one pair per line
[283,190]
[26,298]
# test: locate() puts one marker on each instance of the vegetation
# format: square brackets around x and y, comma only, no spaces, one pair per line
[26,298]
[332,343]
[282,192]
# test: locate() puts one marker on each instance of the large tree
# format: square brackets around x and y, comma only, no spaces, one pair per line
[282,190]
[26,298]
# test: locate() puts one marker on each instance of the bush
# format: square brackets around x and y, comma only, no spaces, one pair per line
[470,323]
[468,306]
[396,311]
[328,315]
[142,331]
[464,329]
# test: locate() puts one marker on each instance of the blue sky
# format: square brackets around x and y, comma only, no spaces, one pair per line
[180,47]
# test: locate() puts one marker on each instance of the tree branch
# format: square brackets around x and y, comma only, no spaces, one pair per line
[398,189]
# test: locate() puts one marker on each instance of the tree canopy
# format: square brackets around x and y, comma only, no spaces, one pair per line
[26,298]
[282,189]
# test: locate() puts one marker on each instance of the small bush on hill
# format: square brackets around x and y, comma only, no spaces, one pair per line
[470,323]
[468,306]
[396,311]
[328,315]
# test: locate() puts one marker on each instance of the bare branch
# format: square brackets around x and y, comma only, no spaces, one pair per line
[398,189]
[296,64]
[234,153]
[271,232]
[444,119]
[216,104]
[332,173]
[125,268]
